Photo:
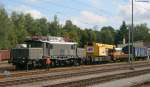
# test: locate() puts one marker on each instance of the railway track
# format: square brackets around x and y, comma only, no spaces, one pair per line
[143,84]
[37,72]
[64,74]
[97,79]
[3,62]
[5,66]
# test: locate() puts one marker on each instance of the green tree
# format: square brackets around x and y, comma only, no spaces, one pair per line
[98,36]
[69,26]
[72,30]
[141,33]
[19,25]
[107,35]
[54,27]
[41,27]
[91,35]
[83,38]
[30,25]
[7,35]
[121,34]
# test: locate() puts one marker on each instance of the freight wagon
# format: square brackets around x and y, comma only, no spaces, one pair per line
[4,55]
[138,52]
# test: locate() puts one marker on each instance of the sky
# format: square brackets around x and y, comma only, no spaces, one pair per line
[83,13]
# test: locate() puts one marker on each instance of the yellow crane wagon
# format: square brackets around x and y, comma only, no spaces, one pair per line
[97,52]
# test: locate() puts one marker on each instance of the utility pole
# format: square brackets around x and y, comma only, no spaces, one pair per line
[130,43]
[131,37]
[129,47]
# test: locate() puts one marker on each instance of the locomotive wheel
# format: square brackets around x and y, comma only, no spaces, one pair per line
[76,63]
[61,63]
[33,64]
[20,67]
[52,64]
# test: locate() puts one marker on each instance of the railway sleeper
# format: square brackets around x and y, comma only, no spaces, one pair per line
[98,80]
